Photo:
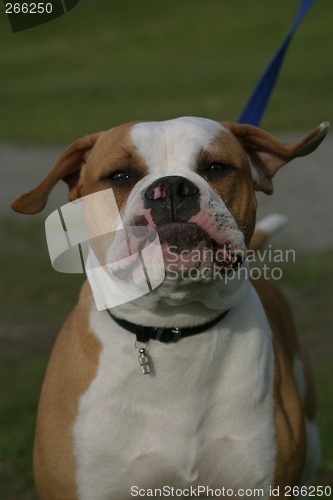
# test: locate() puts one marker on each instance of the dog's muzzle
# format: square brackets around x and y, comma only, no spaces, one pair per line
[172,199]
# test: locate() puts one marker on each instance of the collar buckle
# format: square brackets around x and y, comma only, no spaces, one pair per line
[176,335]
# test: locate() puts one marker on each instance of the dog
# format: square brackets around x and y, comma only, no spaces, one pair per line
[226,402]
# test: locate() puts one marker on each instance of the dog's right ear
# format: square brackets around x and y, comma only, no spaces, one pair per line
[67,167]
[268,155]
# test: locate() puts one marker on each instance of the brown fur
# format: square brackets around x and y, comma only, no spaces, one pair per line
[268,155]
[114,153]
[240,200]
[310,403]
[289,414]
[72,367]
[67,167]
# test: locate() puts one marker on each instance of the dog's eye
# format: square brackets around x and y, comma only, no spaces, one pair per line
[118,177]
[217,168]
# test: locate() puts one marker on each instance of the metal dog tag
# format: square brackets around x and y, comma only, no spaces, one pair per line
[144,361]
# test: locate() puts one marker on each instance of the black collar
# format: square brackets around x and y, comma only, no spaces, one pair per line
[165,335]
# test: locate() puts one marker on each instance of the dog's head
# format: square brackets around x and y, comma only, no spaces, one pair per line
[193,180]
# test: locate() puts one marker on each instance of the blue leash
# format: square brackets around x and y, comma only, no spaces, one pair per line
[255,107]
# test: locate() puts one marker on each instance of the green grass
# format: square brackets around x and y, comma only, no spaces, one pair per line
[34,301]
[104,63]
[40,295]
[21,373]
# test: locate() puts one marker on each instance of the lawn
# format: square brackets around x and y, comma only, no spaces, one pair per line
[35,300]
[104,63]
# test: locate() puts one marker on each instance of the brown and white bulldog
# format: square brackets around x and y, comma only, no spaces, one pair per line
[228,407]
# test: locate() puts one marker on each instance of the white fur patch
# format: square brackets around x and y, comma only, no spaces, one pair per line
[203,416]
[272,224]
[156,143]
[313,450]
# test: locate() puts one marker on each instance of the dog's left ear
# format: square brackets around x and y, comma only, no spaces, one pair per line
[67,167]
[267,154]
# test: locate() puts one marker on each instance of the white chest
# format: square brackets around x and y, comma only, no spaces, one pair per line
[204,416]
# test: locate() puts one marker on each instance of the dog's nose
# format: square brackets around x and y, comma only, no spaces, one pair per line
[172,198]
[172,186]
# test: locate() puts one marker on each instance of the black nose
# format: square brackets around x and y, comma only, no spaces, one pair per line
[172,199]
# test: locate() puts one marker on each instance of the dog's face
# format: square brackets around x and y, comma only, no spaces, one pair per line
[189,179]
[193,180]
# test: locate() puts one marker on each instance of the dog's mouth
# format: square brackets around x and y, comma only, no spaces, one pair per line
[185,246]
[186,242]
